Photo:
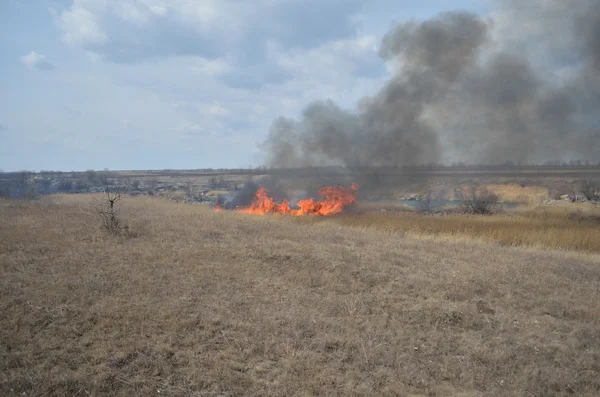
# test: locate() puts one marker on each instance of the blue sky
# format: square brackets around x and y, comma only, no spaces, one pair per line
[153,84]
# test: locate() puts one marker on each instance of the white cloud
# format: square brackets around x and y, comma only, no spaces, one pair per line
[36,61]
[80,24]
[210,67]
[347,56]
[341,70]
[134,30]
[218,110]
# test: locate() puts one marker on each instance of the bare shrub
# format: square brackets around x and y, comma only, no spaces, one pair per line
[135,184]
[479,201]
[108,211]
[427,200]
[590,189]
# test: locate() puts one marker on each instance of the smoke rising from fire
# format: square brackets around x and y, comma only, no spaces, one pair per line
[521,85]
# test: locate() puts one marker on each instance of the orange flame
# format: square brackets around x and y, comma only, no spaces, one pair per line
[335,199]
[218,208]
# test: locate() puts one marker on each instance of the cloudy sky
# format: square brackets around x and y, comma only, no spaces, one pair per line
[153,84]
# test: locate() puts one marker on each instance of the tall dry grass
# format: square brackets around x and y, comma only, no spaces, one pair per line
[544,228]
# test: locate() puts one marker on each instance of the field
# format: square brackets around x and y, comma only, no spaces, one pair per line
[189,302]
[570,227]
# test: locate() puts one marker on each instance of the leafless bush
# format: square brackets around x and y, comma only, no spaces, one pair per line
[591,190]
[108,211]
[426,202]
[135,184]
[479,201]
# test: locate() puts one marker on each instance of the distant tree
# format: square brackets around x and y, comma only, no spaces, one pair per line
[24,185]
[31,190]
[4,190]
[65,184]
[91,176]
[150,184]
[45,184]
[80,185]
[135,184]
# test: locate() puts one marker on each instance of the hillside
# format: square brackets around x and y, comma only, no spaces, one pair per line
[196,303]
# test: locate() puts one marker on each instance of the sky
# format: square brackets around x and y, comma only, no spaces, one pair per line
[181,84]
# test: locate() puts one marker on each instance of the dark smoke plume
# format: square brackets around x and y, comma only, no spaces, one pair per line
[467,89]
[243,197]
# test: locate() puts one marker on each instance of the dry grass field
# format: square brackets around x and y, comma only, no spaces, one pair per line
[196,303]
[557,228]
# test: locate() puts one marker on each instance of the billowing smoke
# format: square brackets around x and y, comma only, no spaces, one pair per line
[521,85]
[243,197]
[240,198]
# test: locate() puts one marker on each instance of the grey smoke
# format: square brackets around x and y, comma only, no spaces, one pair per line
[243,197]
[468,89]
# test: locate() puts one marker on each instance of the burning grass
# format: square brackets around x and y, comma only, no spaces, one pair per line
[557,228]
[227,304]
[335,199]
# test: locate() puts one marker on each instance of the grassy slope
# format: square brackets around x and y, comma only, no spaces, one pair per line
[228,304]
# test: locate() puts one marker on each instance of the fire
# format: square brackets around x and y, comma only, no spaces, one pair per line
[335,198]
[218,208]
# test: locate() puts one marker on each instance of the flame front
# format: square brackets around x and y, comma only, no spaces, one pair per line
[335,198]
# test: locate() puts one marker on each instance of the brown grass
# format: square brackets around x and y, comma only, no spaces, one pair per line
[514,193]
[227,304]
[555,228]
